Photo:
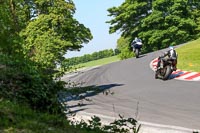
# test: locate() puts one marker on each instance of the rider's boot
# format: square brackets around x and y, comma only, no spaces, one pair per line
[174,68]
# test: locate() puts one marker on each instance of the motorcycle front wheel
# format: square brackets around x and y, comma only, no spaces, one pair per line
[167,72]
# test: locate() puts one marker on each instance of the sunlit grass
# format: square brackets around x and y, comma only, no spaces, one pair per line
[99,62]
[189,56]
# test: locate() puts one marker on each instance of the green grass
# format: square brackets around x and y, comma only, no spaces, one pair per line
[189,56]
[99,62]
[15,118]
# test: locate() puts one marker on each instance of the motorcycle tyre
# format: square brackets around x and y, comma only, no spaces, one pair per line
[167,72]
[137,53]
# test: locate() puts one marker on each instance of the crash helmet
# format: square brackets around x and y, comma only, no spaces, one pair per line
[171,48]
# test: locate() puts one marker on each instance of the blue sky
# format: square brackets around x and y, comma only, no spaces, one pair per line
[93,14]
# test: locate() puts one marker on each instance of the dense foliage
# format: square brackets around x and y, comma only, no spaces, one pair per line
[54,31]
[34,37]
[22,82]
[124,47]
[42,30]
[159,23]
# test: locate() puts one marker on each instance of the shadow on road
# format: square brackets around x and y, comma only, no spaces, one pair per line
[141,56]
[78,93]
[75,111]
[108,86]
[73,99]
[172,76]
[78,105]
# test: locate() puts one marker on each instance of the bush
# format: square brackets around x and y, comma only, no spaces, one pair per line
[22,81]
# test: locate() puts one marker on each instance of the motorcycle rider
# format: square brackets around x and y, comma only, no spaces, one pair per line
[171,55]
[137,42]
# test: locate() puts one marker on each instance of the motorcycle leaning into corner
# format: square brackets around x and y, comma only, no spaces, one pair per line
[166,69]
[137,45]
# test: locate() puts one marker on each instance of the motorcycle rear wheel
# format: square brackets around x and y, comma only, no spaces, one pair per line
[137,53]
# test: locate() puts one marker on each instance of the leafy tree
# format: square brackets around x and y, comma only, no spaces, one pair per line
[12,20]
[169,24]
[52,32]
[158,23]
[123,45]
[128,16]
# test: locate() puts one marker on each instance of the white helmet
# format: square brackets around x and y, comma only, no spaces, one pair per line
[171,47]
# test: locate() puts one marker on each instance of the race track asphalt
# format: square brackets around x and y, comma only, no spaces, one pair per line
[133,92]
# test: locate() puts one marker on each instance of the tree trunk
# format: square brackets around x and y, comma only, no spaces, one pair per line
[14,16]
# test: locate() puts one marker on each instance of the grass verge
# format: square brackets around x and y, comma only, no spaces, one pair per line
[189,56]
[99,62]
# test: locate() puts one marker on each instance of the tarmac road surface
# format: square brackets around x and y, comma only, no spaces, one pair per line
[162,106]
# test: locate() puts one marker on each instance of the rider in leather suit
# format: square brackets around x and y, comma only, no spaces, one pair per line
[171,54]
[137,42]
